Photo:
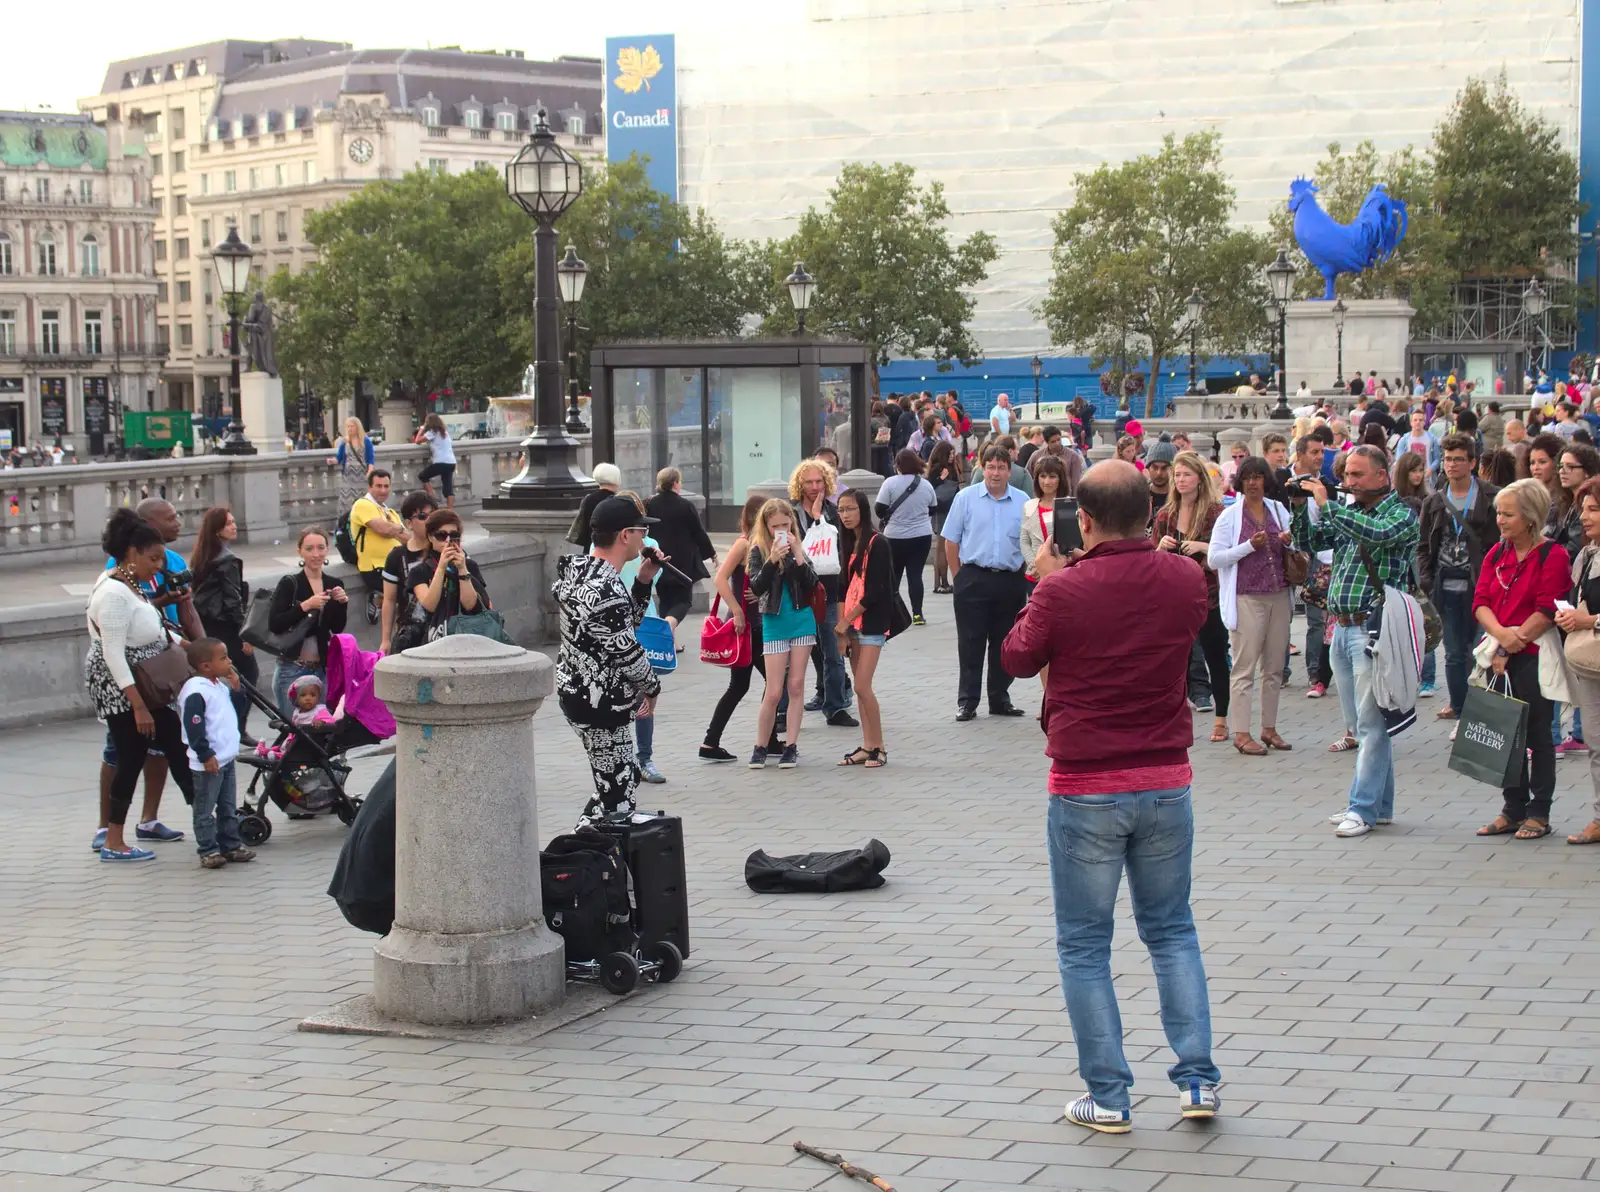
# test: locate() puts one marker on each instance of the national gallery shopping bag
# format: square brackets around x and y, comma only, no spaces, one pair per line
[1492,735]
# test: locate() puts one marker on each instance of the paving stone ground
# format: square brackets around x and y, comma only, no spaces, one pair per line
[1416,1009]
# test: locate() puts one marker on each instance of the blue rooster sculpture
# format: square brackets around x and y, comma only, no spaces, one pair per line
[1335,248]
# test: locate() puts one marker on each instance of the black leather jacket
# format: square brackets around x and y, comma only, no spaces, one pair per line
[767,579]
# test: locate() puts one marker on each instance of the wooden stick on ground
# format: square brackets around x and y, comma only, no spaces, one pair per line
[850,1169]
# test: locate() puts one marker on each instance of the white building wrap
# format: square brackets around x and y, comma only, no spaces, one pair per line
[1005,102]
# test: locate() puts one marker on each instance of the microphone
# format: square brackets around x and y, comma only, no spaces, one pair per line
[654,556]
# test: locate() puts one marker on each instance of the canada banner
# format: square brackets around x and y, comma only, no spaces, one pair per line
[642,106]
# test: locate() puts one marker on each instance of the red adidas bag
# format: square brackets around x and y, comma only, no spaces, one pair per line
[721,643]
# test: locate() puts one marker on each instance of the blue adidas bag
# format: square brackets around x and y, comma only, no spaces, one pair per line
[655,635]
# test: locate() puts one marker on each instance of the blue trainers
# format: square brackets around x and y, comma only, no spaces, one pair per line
[1084,1112]
[99,840]
[157,831]
[129,854]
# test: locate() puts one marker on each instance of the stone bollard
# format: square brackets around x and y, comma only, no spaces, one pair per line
[469,943]
[862,481]
[770,489]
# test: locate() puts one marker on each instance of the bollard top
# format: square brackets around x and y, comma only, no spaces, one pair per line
[464,671]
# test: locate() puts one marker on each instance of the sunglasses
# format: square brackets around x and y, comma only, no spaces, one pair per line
[448,536]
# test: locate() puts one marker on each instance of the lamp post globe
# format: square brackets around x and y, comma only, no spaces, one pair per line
[1194,306]
[571,274]
[1280,277]
[231,259]
[1339,310]
[544,180]
[802,289]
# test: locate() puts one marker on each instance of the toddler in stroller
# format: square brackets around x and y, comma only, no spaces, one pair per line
[304,770]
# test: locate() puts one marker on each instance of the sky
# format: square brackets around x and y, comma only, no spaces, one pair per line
[51,65]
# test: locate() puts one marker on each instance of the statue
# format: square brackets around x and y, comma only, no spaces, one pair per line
[1334,248]
[258,337]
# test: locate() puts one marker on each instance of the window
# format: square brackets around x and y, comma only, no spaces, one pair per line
[205,233]
[283,226]
[152,123]
[163,338]
[205,184]
[480,164]
[155,165]
[159,204]
[44,190]
[308,172]
[438,165]
[180,204]
[92,332]
[161,291]
[255,178]
[184,291]
[86,191]
[50,332]
[47,256]
[177,161]
[180,248]
[8,333]
[430,115]
[277,175]
[211,340]
[472,118]
[5,254]
[506,121]
[175,120]
[230,180]
[575,126]
[186,335]
[205,292]
[161,250]
[255,229]
[91,256]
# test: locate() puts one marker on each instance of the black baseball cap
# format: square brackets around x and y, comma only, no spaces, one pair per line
[618,513]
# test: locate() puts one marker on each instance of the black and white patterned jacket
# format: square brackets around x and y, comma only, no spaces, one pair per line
[602,674]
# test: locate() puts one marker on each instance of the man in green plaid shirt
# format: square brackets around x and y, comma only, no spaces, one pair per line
[1385,526]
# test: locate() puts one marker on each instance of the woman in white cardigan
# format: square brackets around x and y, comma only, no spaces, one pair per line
[124,630]
[1247,547]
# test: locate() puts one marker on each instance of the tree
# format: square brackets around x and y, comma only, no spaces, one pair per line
[887,272]
[404,288]
[1506,188]
[1418,268]
[1138,238]
[656,269]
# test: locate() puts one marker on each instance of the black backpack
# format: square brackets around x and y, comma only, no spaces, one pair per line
[584,881]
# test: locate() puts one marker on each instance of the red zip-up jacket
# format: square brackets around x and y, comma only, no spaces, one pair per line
[1115,630]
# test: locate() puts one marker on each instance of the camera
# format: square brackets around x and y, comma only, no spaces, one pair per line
[178,580]
[1296,490]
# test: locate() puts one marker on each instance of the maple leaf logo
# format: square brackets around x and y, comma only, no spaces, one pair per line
[637,69]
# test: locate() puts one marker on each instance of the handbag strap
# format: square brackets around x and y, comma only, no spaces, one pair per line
[903,497]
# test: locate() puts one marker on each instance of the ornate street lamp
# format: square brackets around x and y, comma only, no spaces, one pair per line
[1280,276]
[1535,302]
[232,261]
[1038,371]
[1339,311]
[1193,307]
[802,289]
[570,276]
[544,180]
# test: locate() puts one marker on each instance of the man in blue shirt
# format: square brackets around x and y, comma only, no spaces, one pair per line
[981,546]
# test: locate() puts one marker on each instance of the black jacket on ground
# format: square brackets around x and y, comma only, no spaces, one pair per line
[681,536]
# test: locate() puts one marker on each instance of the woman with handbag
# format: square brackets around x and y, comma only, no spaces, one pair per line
[905,504]
[222,599]
[785,588]
[863,625]
[308,607]
[944,473]
[733,590]
[1519,583]
[682,539]
[133,671]
[353,457]
[1249,549]
[1582,627]
[1184,526]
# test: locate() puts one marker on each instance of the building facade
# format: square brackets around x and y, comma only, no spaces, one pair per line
[258,135]
[77,281]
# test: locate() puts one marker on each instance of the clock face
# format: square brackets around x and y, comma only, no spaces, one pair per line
[361,151]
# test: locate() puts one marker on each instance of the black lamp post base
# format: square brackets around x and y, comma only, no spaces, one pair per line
[236,443]
[550,476]
[1281,412]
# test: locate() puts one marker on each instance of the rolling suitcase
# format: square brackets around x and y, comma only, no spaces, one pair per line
[653,848]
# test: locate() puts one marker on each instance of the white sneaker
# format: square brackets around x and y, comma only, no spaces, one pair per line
[1338,817]
[1352,825]
[1199,1100]
[1385,820]
[1084,1112]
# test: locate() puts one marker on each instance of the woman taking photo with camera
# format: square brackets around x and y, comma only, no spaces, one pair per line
[784,585]
[444,581]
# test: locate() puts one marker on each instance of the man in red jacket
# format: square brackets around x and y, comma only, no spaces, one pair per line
[1119,729]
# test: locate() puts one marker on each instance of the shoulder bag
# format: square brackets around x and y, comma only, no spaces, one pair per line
[885,512]
[160,677]
[1582,649]
[257,629]
[481,622]
[721,643]
[1296,564]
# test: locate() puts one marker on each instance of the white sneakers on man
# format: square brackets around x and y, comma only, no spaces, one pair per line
[1352,825]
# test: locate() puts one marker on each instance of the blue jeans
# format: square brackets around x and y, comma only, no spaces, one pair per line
[216,811]
[1372,788]
[1091,839]
[644,737]
[284,676]
[1555,723]
[1430,668]
[1461,631]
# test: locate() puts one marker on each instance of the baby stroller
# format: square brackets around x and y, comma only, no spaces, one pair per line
[304,770]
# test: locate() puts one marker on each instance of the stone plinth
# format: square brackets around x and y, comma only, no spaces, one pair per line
[261,405]
[469,943]
[862,481]
[769,489]
[1376,332]
[396,418]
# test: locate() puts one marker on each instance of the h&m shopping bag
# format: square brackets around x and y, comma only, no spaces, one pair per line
[1492,737]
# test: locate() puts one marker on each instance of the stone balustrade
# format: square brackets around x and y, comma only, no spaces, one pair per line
[57,513]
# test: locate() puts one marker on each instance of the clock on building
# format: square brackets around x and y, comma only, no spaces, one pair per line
[361,151]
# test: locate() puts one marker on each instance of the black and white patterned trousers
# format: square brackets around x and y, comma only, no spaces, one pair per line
[615,767]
